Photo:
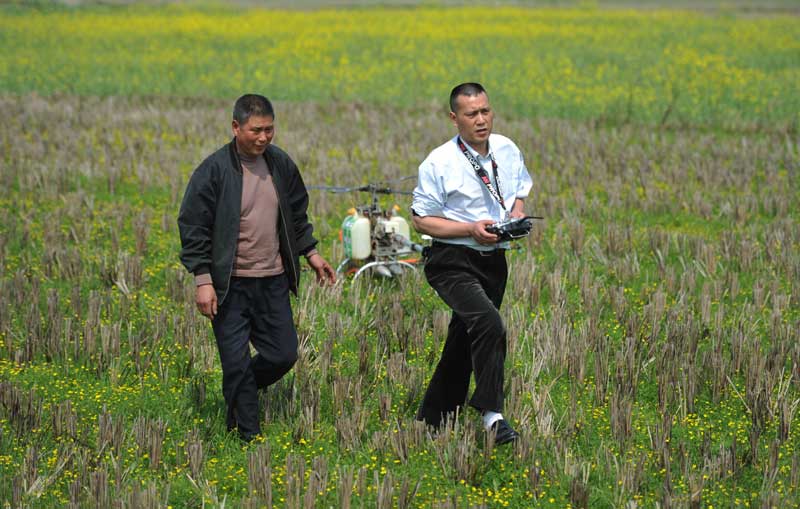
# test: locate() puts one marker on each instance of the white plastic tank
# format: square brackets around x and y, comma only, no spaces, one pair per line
[356,236]
[399,225]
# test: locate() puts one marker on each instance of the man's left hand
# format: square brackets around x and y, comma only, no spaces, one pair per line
[325,273]
[517,211]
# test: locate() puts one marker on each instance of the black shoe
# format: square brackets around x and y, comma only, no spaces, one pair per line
[504,433]
[248,437]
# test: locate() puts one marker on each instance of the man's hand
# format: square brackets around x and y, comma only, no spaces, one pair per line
[518,210]
[478,232]
[325,273]
[206,299]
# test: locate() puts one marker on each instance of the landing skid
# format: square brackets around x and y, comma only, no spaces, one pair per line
[386,268]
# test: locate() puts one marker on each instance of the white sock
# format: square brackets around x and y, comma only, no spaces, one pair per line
[490,418]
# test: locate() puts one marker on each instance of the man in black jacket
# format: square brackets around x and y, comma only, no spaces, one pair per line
[243,227]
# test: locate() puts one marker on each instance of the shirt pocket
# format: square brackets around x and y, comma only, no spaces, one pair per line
[452,184]
[463,191]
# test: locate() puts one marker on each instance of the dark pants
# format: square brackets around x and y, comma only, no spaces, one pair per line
[472,284]
[255,310]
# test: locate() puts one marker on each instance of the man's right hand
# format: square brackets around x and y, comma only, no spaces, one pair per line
[206,299]
[441,227]
[478,232]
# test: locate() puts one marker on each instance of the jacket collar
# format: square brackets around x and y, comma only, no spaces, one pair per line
[236,164]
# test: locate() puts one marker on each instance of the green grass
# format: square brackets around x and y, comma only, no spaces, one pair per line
[617,65]
[69,228]
[662,286]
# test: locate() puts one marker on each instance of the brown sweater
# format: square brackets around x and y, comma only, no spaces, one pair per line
[257,253]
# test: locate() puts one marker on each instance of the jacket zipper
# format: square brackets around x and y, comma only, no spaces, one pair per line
[295,272]
[230,276]
[285,231]
[236,244]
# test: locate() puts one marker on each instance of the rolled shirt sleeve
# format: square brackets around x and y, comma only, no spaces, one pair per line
[429,195]
[524,180]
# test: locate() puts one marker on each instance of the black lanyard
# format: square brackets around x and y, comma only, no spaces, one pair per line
[481,173]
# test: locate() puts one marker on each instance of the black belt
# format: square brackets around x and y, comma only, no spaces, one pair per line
[488,252]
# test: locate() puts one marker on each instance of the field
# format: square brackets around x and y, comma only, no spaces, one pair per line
[621,65]
[654,326]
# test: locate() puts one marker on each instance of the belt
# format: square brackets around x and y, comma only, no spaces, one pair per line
[462,247]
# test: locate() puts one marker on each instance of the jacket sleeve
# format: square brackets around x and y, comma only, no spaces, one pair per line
[196,221]
[298,201]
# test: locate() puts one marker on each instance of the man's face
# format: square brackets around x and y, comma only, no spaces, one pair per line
[473,119]
[253,136]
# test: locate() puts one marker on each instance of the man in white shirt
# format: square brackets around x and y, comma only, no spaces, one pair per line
[474,180]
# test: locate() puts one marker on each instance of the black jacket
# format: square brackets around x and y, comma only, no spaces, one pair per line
[211,208]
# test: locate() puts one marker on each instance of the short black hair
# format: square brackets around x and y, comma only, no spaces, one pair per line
[252,104]
[468,89]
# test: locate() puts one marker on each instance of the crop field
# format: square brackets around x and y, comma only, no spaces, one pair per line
[657,66]
[653,316]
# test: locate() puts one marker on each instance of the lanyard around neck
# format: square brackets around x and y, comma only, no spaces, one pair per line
[481,173]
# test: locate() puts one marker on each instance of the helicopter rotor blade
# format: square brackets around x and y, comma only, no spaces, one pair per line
[400,179]
[334,189]
[389,190]
[369,188]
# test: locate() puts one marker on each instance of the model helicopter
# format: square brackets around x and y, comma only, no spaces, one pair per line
[375,240]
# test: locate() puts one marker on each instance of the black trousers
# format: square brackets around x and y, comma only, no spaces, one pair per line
[255,310]
[472,283]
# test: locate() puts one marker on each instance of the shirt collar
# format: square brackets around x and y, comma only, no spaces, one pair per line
[474,152]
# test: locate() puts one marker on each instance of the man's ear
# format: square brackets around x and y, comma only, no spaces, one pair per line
[235,127]
[453,117]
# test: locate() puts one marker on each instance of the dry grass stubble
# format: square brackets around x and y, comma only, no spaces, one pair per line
[661,287]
